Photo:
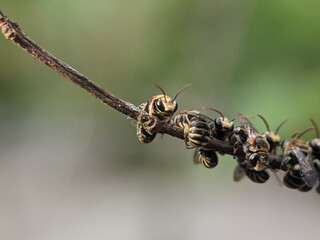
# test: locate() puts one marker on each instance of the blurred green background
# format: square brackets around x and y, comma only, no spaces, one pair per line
[72,167]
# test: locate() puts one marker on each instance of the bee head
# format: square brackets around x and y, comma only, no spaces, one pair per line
[315,145]
[272,138]
[165,105]
[259,161]
[261,143]
[223,124]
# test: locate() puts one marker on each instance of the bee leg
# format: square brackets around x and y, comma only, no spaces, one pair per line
[316,164]
[232,138]
[143,107]
[150,124]
[286,163]
[208,158]
[186,137]
[143,135]
[237,148]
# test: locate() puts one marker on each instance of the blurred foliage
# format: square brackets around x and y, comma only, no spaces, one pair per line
[247,56]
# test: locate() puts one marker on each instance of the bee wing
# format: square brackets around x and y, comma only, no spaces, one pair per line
[196,158]
[247,125]
[195,113]
[308,172]
[238,173]
[205,118]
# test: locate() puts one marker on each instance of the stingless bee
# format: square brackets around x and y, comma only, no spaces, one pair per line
[254,145]
[221,126]
[272,137]
[298,161]
[195,126]
[197,132]
[161,106]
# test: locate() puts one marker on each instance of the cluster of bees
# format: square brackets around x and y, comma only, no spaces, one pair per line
[300,159]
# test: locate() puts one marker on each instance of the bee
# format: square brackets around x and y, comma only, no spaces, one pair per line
[254,145]
[207,158]
[161,106]
[243,169]
[222,127]
[197,133]
[195,126]
[272,137]
[297,160]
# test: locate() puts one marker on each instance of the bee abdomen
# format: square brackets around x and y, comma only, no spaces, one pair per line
[199,133]
[180,120]
[257,176]
[293,180]
[304,188]
[207,158]
[143,135]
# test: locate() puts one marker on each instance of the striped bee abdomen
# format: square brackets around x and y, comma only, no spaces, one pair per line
[199,132]
[207,158]
[257,176]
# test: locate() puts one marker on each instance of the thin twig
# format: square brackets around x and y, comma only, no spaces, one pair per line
[13,33]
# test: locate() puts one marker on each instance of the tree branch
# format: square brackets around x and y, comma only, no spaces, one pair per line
[13,33]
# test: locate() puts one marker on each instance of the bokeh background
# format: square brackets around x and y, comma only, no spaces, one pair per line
[72,168]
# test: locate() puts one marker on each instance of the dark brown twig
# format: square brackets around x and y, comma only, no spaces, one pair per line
[13,33]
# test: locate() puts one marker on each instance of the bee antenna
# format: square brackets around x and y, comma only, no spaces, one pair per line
[242,116]
[294,134]
[164,94]
[265,122]
[280,125]
[305,131]
[212,109]
[315,126]
[185,87]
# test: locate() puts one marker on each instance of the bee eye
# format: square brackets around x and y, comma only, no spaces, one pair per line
[314,145]
[176,107]
[160,105]
[231,128]
[269,139]
[218,123]
[254,159]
